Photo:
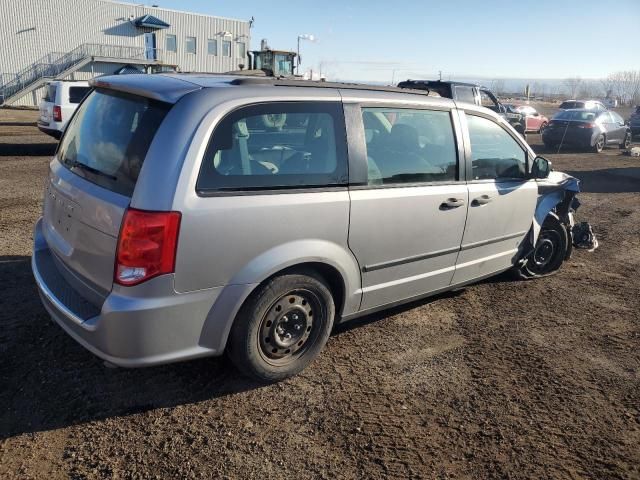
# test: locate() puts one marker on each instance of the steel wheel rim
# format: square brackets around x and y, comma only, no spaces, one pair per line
[545,252]
[600,143]
[289,327]
[627,141]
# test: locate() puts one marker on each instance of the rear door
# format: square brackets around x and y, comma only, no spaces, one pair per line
[91,181]
[408,202]
[502,199]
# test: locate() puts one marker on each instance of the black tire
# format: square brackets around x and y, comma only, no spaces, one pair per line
[282,327]
[549,253]
[598,146]
[626,143]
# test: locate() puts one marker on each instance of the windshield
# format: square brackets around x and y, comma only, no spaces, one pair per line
[580,115]
[108,138]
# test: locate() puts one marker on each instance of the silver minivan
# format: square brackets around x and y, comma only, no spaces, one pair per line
[189,215]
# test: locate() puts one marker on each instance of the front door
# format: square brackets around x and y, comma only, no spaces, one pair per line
[502,200]
[406,222]
[150,46]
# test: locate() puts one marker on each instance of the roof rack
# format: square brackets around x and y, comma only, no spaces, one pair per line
[288,82]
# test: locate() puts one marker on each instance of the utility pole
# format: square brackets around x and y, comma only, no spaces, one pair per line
[440,74]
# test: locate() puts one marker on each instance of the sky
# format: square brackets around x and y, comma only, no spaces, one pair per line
[385,41]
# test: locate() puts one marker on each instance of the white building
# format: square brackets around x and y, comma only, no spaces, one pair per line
[79,39]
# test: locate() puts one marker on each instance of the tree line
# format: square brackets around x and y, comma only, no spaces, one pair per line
[623,86]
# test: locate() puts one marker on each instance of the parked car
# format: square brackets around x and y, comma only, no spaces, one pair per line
[634,121]
[185,216]
[587,129]
[60,100]
[534,121]
[588,104]
[471,93]
[610,102]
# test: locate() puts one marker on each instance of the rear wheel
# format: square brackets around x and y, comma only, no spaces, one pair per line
[282,327]
[599,145]
[549,252]
[626,143]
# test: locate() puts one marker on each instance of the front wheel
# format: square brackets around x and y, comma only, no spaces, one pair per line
[549,252]
[626,143]
[282,327]
[599,145]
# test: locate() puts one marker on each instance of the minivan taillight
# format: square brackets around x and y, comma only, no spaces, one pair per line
[146,245]
[57,113]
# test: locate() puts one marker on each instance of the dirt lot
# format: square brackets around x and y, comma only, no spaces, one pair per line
[505,379]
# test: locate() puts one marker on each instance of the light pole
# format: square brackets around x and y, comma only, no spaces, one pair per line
[306,36]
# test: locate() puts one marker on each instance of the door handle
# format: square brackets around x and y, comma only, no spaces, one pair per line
[451,203]
[481,200]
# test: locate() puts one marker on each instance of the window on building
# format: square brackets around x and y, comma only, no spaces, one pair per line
[494,153]
[212,46]
[242,50]
[226,48]
[172,44]
[276,145]
[190,45]
[409,146]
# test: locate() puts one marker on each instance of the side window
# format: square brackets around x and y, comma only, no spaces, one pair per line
[76,94]
[408,146]
[487,101]
[465,94]
[494,153]
[616,118]
[604,118]
[276,145]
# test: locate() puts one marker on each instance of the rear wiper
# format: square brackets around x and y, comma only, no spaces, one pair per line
[95,171]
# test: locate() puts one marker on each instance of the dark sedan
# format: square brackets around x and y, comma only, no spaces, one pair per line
[588,129]
[634,121]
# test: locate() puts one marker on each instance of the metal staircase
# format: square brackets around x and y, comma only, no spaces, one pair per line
[59,65]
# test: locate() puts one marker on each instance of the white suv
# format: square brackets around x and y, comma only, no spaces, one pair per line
[58,104]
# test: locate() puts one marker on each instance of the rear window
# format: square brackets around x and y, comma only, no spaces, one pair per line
[49,93]
[107,139]
[274,146]
[568,105]
[76,94]
[581,115]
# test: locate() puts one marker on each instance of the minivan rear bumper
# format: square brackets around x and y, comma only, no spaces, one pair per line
[138,326]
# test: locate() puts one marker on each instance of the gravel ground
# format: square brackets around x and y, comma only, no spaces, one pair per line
[505,379]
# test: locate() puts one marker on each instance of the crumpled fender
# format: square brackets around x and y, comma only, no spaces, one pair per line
[551,192]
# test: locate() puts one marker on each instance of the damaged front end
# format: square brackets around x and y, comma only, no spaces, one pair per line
[555,231]
[557,195]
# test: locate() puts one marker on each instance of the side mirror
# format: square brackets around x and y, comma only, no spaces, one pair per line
[541,168]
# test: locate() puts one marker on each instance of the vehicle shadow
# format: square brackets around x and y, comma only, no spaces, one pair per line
[18,124]
[27,149]
[609,180]
[50,382]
